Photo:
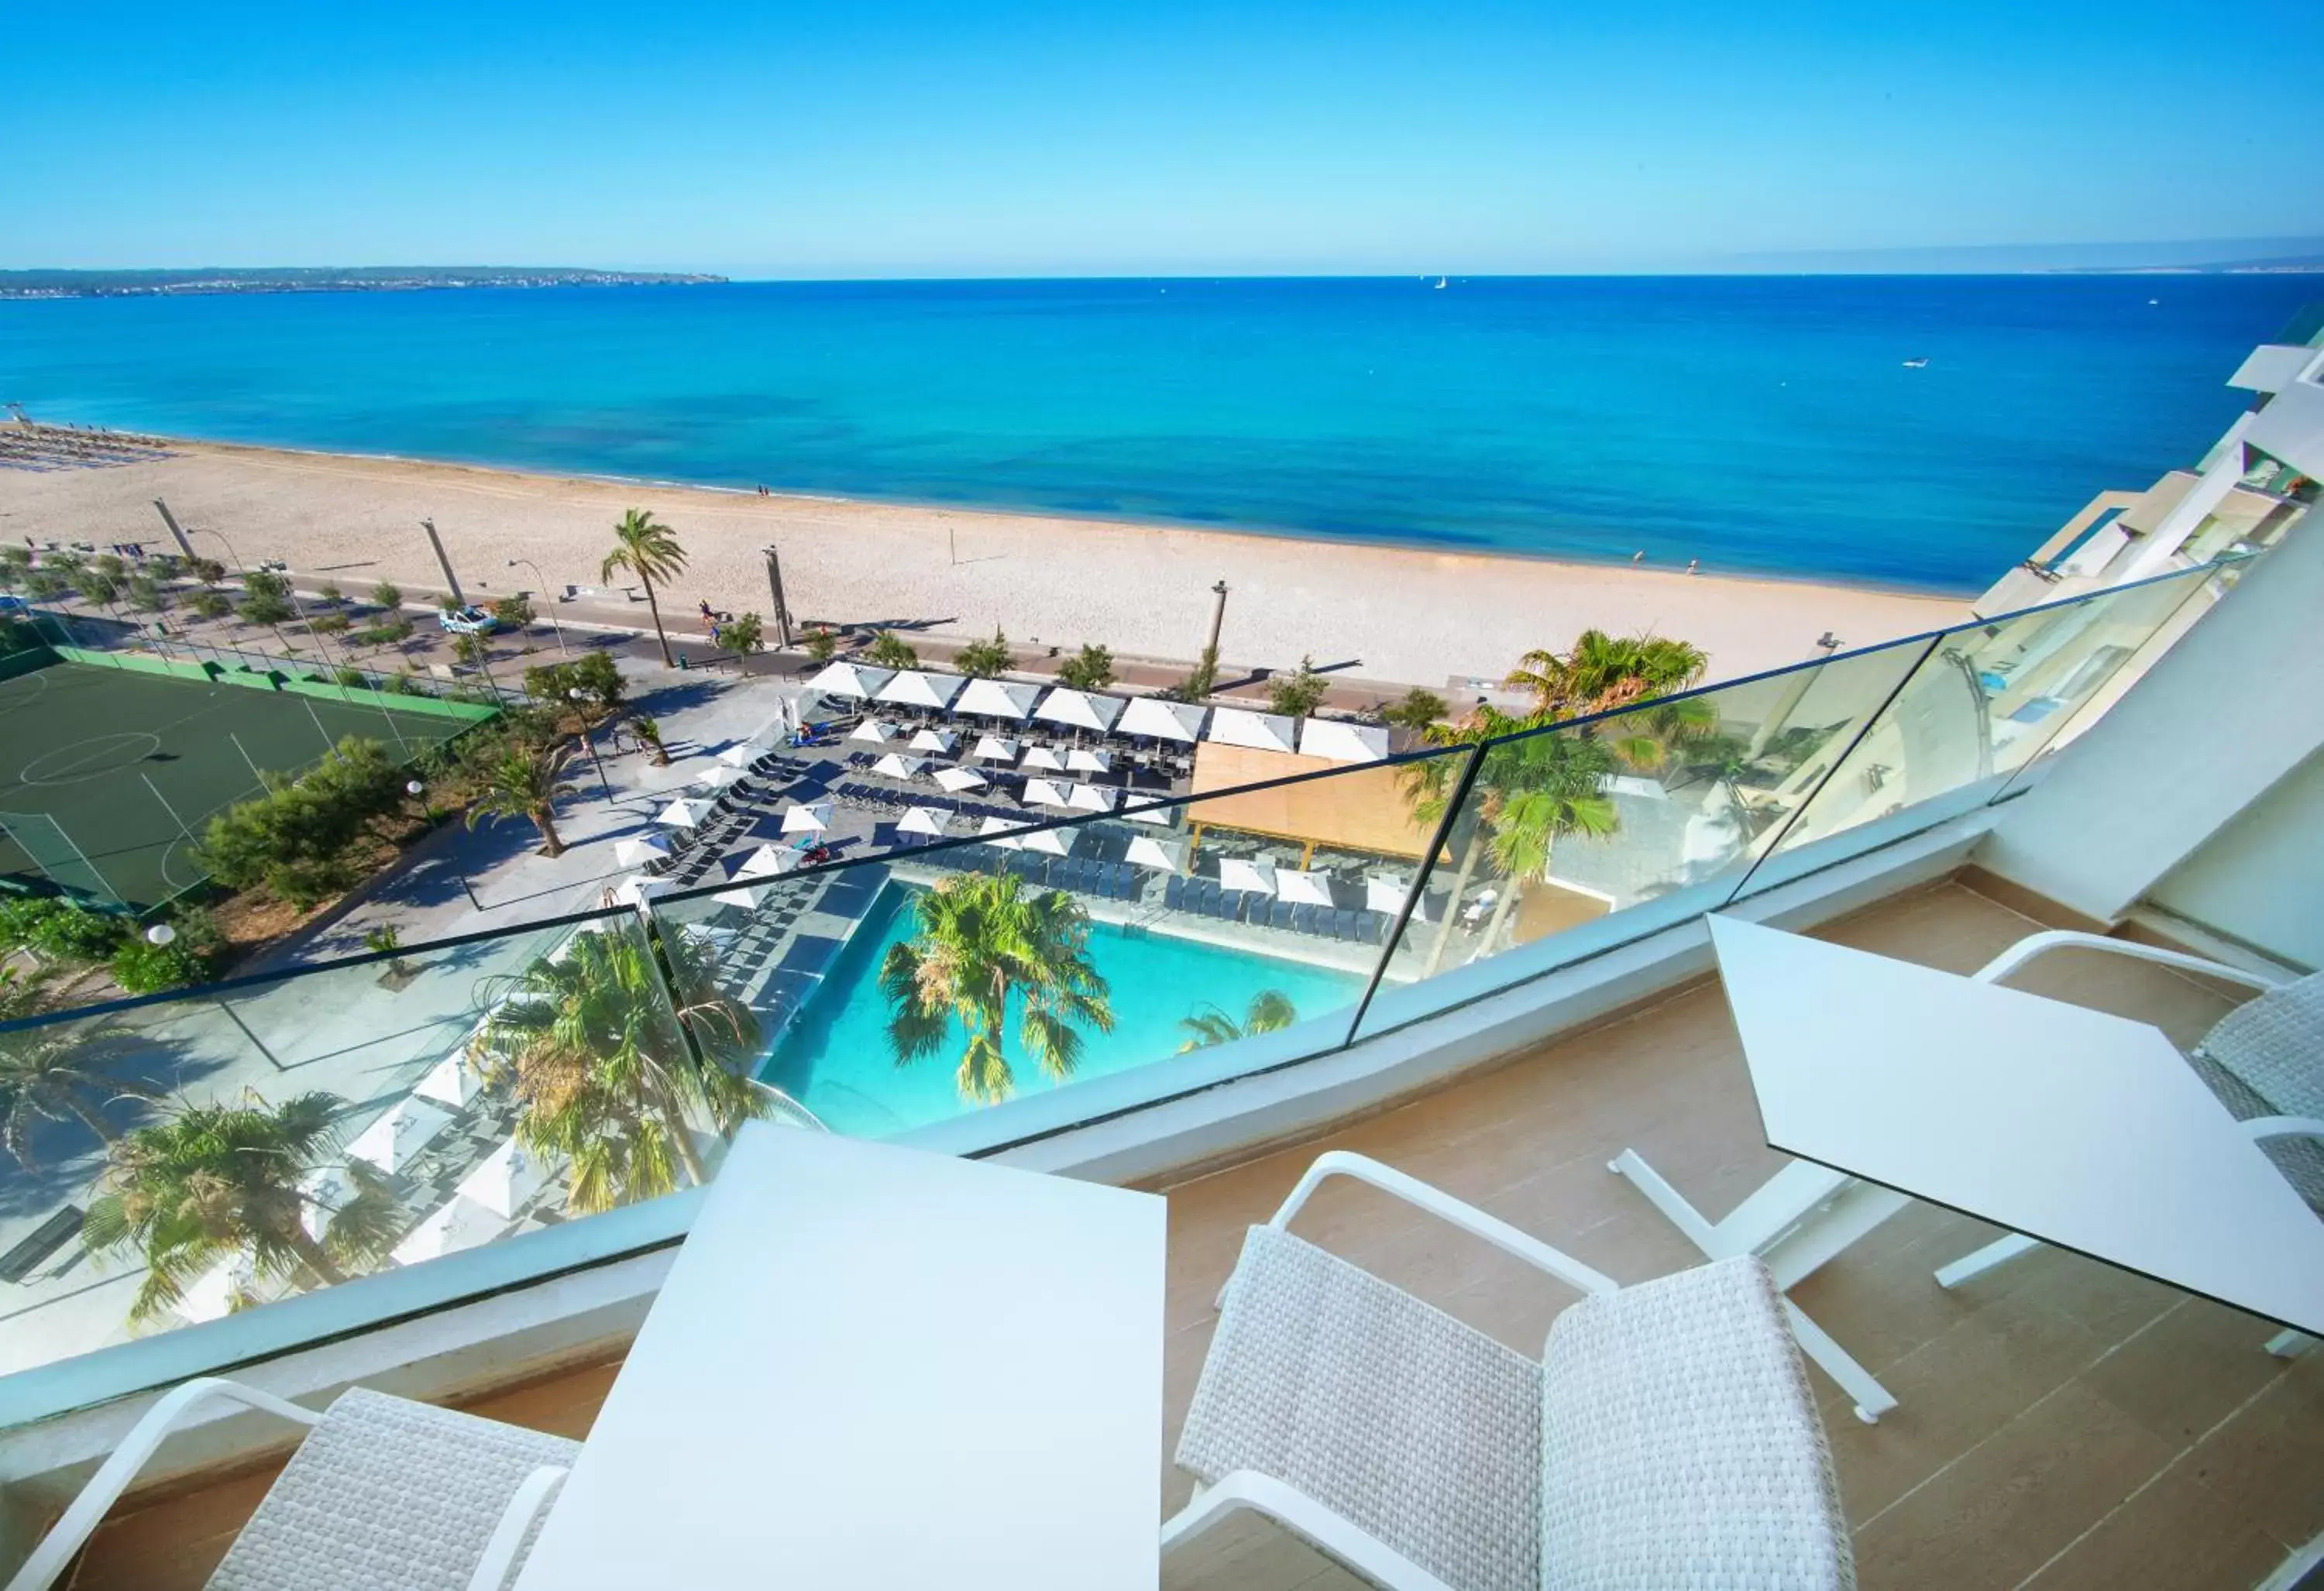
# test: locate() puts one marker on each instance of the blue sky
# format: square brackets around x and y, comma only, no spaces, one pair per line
[1008,138]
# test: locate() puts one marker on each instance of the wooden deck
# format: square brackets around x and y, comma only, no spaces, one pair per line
[2062,1424]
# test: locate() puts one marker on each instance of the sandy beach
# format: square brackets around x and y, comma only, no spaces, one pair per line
[1401,615]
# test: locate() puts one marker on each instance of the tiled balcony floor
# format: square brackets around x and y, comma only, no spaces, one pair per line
[2061,1423]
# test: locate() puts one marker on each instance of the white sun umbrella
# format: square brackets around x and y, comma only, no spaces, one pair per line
[460,1222]
[1090,798]
[453,1080]
[921,820]
[994,748]
[1080,710]
[998,832]
[636,892]
[505,1179]
[684,812]
[638,849]
[914,688]
[1385,893]
[1150,810]
[1236,873]
[808,817]
[742,754]
[849,679]
[391,1142]
[1048,842]
[877,730]
[998,698]
[1042,792]
[1302,888]
[1086,762]
[743,898]
[1044,756]
[896,766]
[767,862]
[718,778]
[1168,856]
[957,779]
[1157,720]
[1341,742]
[934,740]
[1263,731]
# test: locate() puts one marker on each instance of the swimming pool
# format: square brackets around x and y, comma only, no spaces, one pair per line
[836,1059]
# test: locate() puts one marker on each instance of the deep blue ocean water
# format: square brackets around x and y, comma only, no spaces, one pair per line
[1756,423]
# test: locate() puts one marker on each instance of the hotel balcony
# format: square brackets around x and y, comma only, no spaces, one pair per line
[2057,1420]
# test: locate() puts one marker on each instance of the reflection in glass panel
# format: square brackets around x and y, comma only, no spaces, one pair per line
[999,962]
[1593,833]
[191,1157]
[1982,706]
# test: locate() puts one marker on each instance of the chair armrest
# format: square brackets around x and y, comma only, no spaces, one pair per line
[1249,1491]
[524,1506]
[2259,1127]
[2036,944]
[1444,1207]
[79,1522]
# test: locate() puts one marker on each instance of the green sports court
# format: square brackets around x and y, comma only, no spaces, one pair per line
[106,766]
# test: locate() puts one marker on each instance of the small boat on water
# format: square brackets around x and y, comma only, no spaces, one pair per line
[1440,284]
[1920,364]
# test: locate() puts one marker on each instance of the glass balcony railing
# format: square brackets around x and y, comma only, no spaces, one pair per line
[222,1175]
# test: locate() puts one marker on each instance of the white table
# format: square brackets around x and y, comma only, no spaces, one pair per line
[872,1367]
[2069,1126]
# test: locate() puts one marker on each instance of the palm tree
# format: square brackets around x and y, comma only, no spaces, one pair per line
[1270,1011]
[1602,672]
[525,783]
[1530,790]
[49,1074]
[215,1182]
[979,943]
[648,549]
[598,1055]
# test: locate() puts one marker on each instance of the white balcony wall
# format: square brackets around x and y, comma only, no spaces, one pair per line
[2261,879]
[2220,719]
[2292,427]
[2273,367]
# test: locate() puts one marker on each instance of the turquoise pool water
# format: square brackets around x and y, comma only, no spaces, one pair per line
[836,1060]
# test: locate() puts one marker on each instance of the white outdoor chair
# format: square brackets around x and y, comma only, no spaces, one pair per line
[383,1494]
[1666,1437]
[2263,1060]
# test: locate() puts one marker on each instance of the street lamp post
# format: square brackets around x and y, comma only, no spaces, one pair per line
[553,622]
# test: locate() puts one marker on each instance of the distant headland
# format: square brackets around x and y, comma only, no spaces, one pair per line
[366,279]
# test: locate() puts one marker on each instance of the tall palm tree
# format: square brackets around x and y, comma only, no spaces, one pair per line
[1270,1011]
[525,783]
[49,1074]
[596,1051]
[648,549]
[215,1182]
[980,942]
[1602,672]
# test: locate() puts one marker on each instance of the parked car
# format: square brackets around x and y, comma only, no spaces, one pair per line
[467,621]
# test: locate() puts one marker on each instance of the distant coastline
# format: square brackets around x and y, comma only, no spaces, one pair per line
[368,278]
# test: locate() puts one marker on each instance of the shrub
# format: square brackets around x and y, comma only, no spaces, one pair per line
[75,934]
[146,596]
[109,565]
[984,659]
[1090,670]
[21,913]
[1416,710]
[331,593]
[208,571]
[1298,693]
[210,604]
[821,644]
[12,556]
[745,635]
[329,624]
[105,590]
[142,966]
[295,839]
[889,651]
[387,595]
[46,586]
[266,598]
[593,673]
[392,634]
[352,678]
[515,611]
[472,650]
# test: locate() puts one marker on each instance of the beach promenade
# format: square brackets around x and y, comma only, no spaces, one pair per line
[1386,614]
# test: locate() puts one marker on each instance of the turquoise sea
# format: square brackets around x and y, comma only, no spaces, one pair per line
[1757,423]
